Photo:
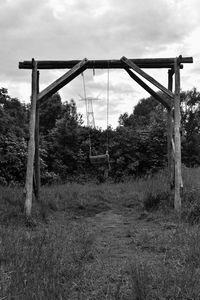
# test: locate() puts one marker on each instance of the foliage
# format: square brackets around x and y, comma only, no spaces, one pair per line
[50,112]
[149,119]
[13,151]
[138,146]
[63,141]
[190,101]
[145,131]
[13,115]
[13,135]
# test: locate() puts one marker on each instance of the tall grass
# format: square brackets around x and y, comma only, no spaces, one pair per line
[59,259]
[47,264]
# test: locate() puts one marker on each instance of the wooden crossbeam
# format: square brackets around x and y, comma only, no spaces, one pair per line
[63,80]
[130,64]
[148,89]
[103,64]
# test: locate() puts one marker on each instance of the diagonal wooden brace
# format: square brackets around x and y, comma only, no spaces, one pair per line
[133,66]
[148,89]
[63,80]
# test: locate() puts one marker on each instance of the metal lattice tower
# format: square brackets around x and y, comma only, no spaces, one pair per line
[89,110]
[89,106]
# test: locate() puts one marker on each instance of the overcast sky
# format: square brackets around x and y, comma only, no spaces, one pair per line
[97,29]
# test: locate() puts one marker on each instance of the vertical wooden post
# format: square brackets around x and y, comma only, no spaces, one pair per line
[37,142]
[31,143]
[170,136]
[177,138]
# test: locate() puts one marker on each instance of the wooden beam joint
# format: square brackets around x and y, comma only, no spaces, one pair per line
[148,89]
[63,80]
[133,66]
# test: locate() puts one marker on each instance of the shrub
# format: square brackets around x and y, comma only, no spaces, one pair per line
[151,201]
[191,206]
[13,152]
[50,178]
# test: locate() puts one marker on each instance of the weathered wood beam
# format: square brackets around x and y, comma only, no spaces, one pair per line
[130,64]
[177,138]
[31,145]
[148,89]
[63,80]
[170,154]
[37,148]
[103,64]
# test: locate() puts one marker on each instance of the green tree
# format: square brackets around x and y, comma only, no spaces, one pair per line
[50,112]
[13,155]
[13,115]
[190,111]
[13,135]
[63,142]
[146,136]
[143,113]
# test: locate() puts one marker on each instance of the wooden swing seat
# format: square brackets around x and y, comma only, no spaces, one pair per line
[98,160]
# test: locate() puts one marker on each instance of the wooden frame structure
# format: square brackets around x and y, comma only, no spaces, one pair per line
[132,67]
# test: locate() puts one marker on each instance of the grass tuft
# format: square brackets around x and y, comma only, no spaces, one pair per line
[76,257]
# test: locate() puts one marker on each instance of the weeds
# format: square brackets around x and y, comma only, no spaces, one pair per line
[140,280]
[43,265]
[191,206]
[60,259]
[151,202]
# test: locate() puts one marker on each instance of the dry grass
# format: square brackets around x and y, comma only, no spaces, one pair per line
[75,254]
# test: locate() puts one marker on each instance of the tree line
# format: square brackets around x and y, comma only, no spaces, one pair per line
[138,146]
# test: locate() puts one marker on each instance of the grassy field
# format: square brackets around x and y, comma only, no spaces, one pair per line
[108,241]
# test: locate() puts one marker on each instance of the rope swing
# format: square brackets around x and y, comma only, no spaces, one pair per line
[103,159]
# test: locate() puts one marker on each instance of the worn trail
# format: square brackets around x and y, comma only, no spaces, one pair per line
[123,235]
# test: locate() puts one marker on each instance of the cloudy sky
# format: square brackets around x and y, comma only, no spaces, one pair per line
[97,29]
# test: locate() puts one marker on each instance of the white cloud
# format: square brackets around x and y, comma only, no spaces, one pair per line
[74,29]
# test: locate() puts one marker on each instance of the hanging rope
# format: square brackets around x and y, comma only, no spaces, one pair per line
[86,105]
[93,69]
[102,159]
[85,96]
[108,95]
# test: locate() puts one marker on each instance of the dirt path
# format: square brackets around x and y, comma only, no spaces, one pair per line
[110,234]
[122,235]
[113,247]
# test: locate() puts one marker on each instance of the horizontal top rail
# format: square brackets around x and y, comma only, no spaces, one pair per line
[104,64]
